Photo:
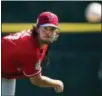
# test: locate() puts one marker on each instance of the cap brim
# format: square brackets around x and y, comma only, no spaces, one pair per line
[46,25]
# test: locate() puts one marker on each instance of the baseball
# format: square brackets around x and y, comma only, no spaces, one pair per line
[93,12]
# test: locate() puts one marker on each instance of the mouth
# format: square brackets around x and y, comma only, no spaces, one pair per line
[48,37]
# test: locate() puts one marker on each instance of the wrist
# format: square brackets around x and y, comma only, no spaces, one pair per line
[56,83]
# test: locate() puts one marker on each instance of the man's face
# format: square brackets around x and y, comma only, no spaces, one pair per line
[48,34]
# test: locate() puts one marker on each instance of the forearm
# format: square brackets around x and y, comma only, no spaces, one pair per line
[45,82]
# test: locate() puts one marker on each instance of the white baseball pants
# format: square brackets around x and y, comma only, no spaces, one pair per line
[8,87]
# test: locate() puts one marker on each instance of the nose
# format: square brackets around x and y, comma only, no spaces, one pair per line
[50,33]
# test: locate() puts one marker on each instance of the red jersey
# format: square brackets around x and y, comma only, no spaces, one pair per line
[21,55]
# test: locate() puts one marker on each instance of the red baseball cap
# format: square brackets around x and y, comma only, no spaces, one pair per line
[47,19]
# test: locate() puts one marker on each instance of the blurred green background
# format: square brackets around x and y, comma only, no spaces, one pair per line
[28,11]
[75,57]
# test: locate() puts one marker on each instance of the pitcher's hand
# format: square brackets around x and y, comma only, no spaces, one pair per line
[59,86]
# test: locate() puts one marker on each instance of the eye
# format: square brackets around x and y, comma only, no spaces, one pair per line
[50,28]
[53,29]
[46,28]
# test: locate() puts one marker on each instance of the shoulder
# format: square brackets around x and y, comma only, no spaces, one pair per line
[18,35]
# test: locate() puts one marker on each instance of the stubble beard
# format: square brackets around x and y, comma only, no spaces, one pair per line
[46,42]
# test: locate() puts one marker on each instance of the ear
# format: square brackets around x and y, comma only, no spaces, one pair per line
[56,37]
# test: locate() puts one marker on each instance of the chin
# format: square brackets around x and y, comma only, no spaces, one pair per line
[47,42]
